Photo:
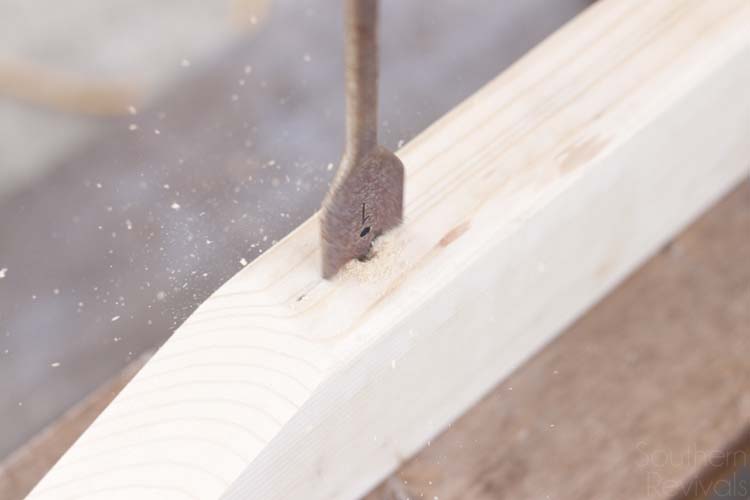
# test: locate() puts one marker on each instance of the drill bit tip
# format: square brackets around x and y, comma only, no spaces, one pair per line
[365,201]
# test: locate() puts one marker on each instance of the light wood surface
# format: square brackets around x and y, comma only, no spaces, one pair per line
[643,393]
[25,467]
[523,207]
[503,447]
[244,172]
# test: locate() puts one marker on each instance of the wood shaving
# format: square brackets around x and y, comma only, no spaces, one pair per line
[385,260]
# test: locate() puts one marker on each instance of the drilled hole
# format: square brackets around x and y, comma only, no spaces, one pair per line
[364,232]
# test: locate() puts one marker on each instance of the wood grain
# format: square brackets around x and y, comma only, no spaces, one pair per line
[24,468]
[283,385]
[245,174]
[471,458]
[643,393]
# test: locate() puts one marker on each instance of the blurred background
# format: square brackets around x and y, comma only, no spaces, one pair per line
[149,150]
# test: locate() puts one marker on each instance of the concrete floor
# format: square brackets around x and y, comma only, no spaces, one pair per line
[67,68]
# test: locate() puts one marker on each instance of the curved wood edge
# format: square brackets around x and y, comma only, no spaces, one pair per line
[524,206]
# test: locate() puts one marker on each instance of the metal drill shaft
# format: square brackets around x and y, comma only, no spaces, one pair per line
[366,197]
[361,76]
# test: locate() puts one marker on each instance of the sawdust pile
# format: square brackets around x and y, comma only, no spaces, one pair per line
[386,259]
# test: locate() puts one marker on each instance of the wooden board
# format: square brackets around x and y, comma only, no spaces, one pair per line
[245,173]
[646,391]
[505,446]
[26,466]
[524,206]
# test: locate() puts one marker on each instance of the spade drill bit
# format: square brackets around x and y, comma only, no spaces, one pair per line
[366,197]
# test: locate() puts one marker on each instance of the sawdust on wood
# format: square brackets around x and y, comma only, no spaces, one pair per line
[385,260]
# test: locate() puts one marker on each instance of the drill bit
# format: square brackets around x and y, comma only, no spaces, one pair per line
[366,197]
